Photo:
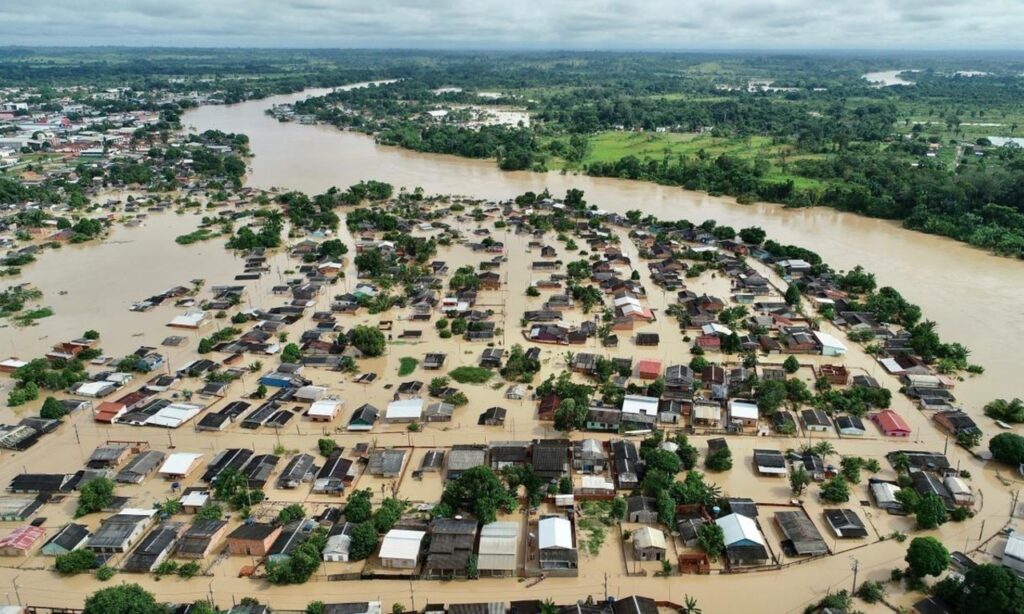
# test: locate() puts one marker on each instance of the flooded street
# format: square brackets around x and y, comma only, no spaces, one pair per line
[975,297]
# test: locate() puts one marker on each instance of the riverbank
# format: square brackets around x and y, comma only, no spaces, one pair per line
[962,288]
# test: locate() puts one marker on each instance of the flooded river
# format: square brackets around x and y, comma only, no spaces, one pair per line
[975,297]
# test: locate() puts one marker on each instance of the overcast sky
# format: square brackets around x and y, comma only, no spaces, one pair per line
[549,24]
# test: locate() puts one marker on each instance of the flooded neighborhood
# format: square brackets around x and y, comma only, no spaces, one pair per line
[264,348]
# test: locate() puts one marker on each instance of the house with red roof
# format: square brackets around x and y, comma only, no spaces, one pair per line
[648,369]
[891,423]
[109,411]
[20,541]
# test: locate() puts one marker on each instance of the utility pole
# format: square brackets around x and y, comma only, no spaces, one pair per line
[412,595]
[854,565]
[14,583]
[606,586]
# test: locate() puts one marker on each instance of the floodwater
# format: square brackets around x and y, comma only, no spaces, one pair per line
[885,78]
[975,297]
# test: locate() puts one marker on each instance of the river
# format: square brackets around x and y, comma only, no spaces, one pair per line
[974,296]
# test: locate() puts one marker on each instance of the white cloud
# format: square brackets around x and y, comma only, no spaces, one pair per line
[633,24]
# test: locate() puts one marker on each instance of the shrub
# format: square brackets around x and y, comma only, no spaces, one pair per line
[76,561]
[871,591]
[471,375]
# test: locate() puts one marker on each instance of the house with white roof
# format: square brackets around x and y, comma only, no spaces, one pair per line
[497,550]
[744,542]
[743,413]
[830,346]
[324,410]
[556,546]
[180,464]
[639,404]
[1013,554]
[400,548]
[404,410]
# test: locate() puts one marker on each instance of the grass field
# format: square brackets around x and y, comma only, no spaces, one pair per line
[615,145]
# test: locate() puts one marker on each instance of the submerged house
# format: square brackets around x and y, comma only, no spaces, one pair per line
[744,543]
[556,546]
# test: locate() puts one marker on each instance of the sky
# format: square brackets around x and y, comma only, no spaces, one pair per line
[526,24]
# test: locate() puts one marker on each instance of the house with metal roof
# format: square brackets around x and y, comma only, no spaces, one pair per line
[335,474]
[404,410]
[648,544]
[339,540]
[201,538]
[451,547]
[508,454]
[139,467]
[744,543]
[462,458]
[556,546]
[551,458]
[253,539]
[801,536]
[400,548]
[845,523]
[589,456]
[153,549]
[180,465]
[300,468]
[1013,553]
[770,462]
[72,536]
[363,418]
[20,541]
[120,532]
[497,552]
[386,463]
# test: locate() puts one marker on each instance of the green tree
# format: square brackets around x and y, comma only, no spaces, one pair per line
[711,539]
[76,561]
[666,509]
[791,365]
[931,512]
[792,295]
[291,513]
[1007,447]
[984,588]
[798,479]
[719,460]
[326,446]
[835,490]
[291,353]
[359,508]
[368,340]
[480,492]
[123,599]
[1008,411]
[52,409]
[926,556]
[96,495]
[364,542]
[770,395]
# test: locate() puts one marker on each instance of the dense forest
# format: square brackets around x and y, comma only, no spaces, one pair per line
[797,129]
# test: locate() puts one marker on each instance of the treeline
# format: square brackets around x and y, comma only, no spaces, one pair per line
[515,148]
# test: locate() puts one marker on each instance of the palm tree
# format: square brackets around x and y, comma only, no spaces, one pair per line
[690,606]
[568,357]
[824,449]
[548,607]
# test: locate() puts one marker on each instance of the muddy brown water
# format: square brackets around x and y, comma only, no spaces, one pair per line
[974,297]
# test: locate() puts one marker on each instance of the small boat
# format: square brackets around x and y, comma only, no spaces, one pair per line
[1003,425]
